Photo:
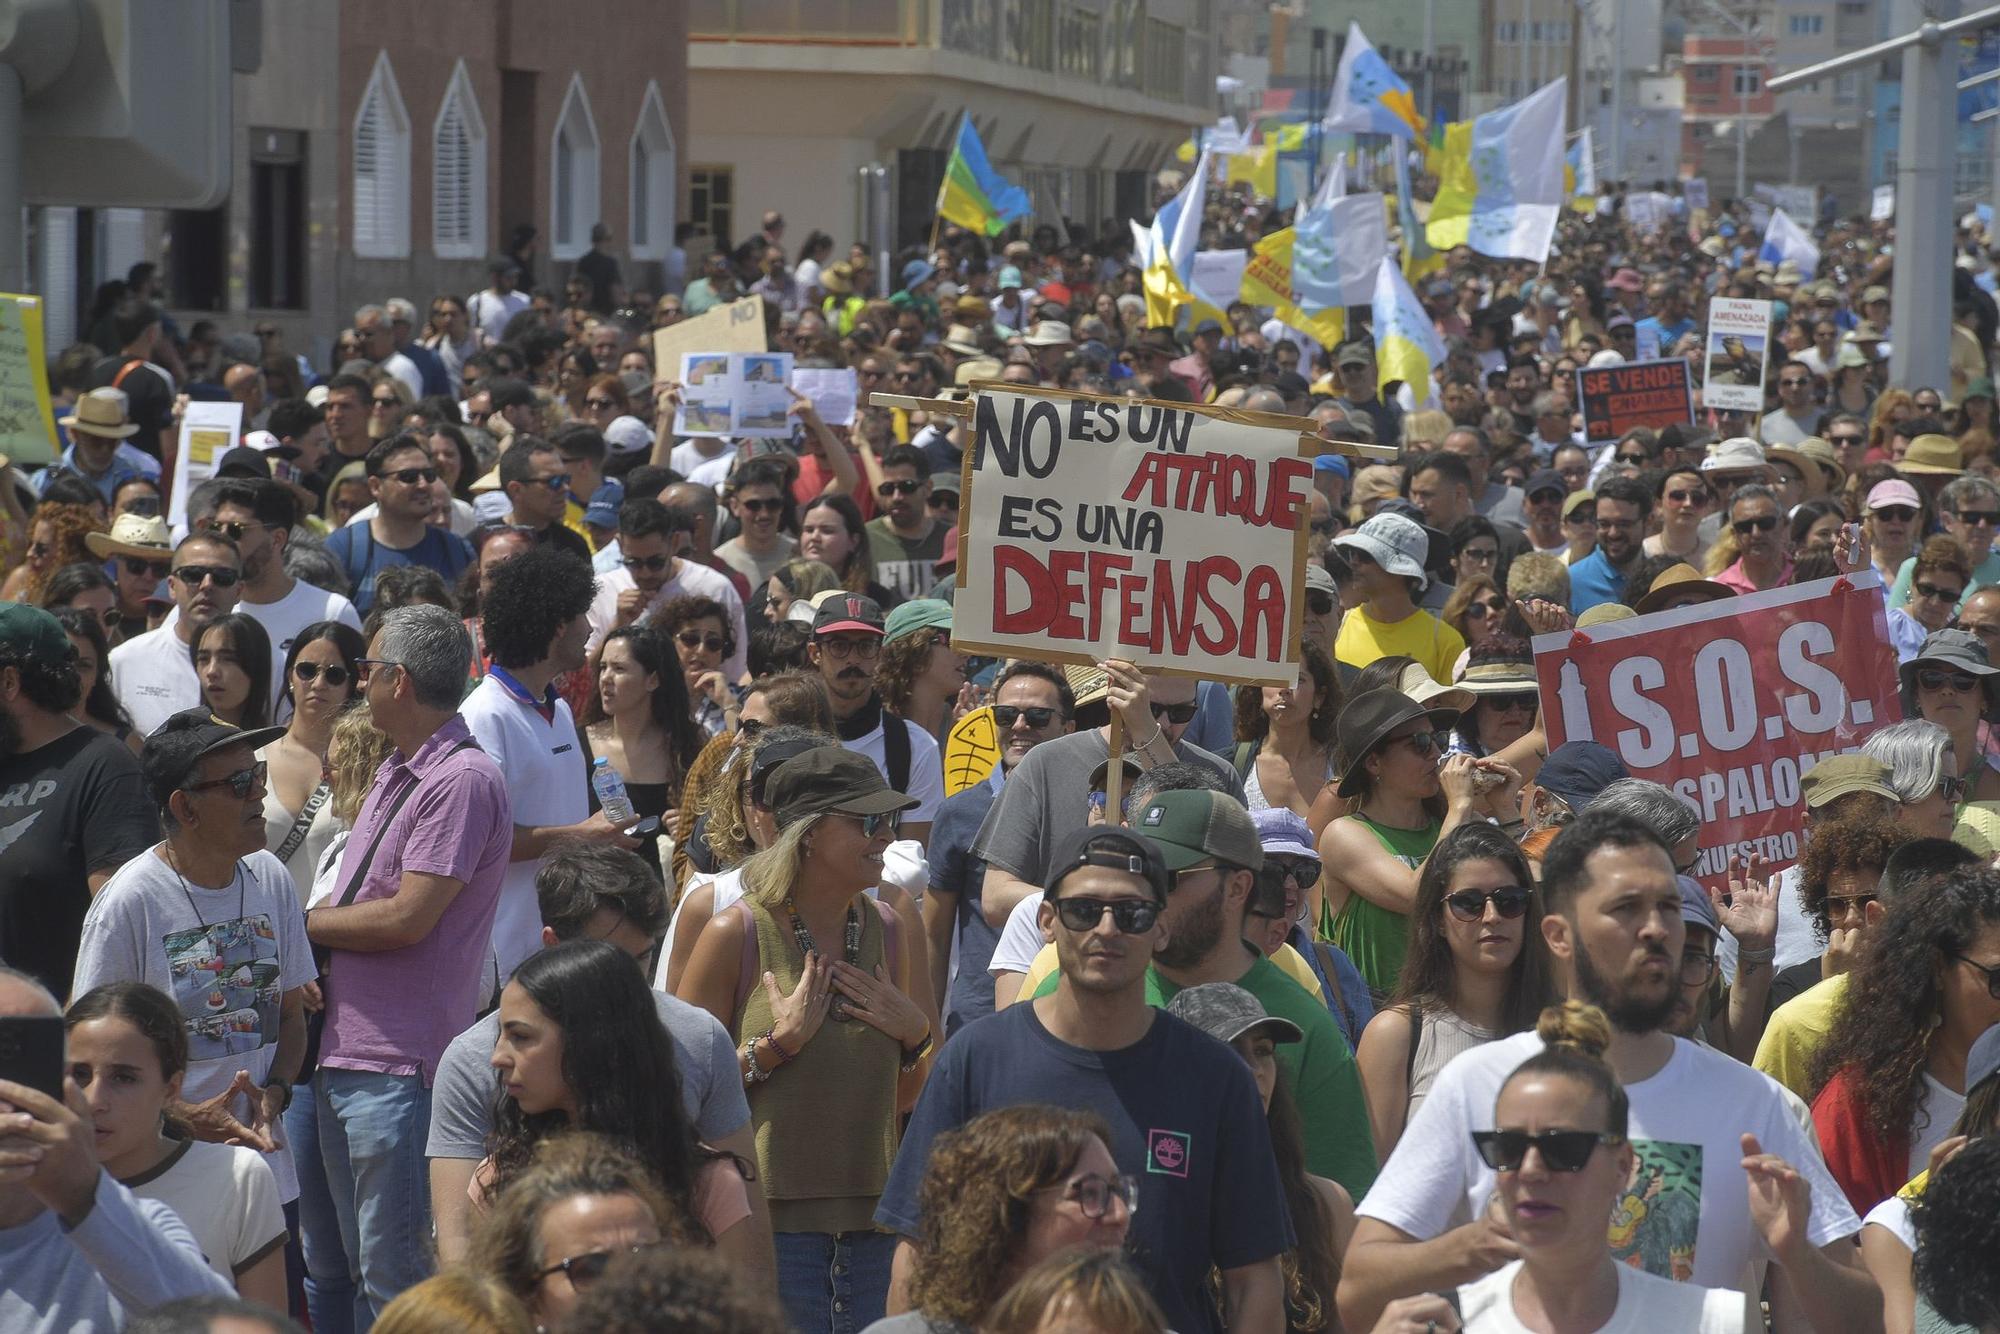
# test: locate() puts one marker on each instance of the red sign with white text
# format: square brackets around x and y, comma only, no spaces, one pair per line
[1728,703]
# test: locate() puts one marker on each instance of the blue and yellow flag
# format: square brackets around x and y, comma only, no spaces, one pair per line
[972,194]
[1407,346]
[1175,236]
[1500,179]
[1368,96]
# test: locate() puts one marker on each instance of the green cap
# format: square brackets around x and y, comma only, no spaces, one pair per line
[830,779]
[1194,826]
[32,632]
[914,615]
[1839,776]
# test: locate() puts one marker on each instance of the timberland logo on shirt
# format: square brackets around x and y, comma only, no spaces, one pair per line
[1168,1152]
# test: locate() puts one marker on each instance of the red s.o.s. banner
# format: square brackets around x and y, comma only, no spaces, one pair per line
[1730,702]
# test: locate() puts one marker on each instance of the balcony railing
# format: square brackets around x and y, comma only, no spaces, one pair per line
[845,22]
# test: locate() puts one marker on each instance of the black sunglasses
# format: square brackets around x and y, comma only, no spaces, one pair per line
[1006,715]
[144,506]
[1469,905]
[646,562]
[220,575]
[1319,604]
[1561,1150]
[587,1268]
[239,783]
[770,506]
[1936,594]
[1177,714]
[335,674]
[411,476]
[135,567]
[1992,975]
[695,639]
[900,486]
[1895,513]
[1130,916]
[1763,523]
[229,528]
[1939,678]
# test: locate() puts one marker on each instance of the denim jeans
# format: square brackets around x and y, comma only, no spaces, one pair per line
[372,1130]
[834,1282]
[332,1279]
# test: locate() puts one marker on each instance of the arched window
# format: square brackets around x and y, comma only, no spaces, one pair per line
[382,168]
[573,175]
[458,172]
[654,173]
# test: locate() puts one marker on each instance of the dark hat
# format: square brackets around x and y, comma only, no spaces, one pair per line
[1577,771]
[1696,909]
[1291,384]
[1208,326]
[1102,773]
[770,755]
[1191,826]
[1368,718]
[1544,479]
[1227,1012]
[1157,340]
[1353,354]
[1952,648]
[1112,847]
[178,745]
[32,632]
[504,391]
[830,779]
[849,611]
[243,461]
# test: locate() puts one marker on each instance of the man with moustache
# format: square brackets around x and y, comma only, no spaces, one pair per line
[153,675]
[846,649]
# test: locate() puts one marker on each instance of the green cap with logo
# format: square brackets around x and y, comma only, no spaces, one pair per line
[1192,827]
[32,632]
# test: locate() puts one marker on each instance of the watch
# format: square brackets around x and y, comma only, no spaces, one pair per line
[911,1058]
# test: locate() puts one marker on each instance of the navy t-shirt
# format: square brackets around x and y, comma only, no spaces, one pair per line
[1185,1119]
[362,557]
[956,871]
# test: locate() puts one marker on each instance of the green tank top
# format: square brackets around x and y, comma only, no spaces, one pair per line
[1372,936]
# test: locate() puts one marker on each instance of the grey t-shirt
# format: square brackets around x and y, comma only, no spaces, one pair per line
[711,1082]
[1048,794]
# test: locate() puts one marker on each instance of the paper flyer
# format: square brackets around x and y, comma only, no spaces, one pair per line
[833,392]
[735,394]
[208,431]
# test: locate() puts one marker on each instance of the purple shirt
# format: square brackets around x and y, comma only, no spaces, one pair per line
[395,1011]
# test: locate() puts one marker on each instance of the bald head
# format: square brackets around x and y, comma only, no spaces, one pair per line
[1262,399]
[21,996]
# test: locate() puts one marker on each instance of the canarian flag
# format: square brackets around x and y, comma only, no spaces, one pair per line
[1419,260]
[1368,96]
[1785,240]
[1340,242]
[1176,235]
[1407,346]
[1257,167]
[1500,179]
[1580,172]
[975,196]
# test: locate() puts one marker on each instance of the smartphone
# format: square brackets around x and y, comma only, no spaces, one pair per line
[646,828]
[31,1052]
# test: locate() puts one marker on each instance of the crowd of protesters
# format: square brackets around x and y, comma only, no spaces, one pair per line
[621,958]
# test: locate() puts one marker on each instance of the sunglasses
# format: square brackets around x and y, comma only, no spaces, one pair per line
[1006,715]
[1295,870]
[556,482]
[1933,593]
[899,487]
[381,403]
[229,528]
[309,672]
[1321,525]
[1094,1193]
[1763,523]
[1639,459]
[39,549]
[1992,975]
[239,783]
[587,1268]
[220,575]
[1895,513]
[143,506]
[646,562]
[1977,518]
[600,404]
[1479,611]
[1319,604]
[1793,384]
[1519,702]
[1547,496]
[1692,499]
[1177,714]
[135,567]
[1480,555]
[1561,1150]
[692,639]
[365,668]
[769,506]
[1469,905]
[412,476]
[871,825]
[1954,788]
[1839,906]
[1939,678]
[1130,916]
[1423,743]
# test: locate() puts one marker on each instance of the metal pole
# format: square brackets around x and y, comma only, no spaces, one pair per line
[1430,59]
[13,244]
[1743,108]
[1617,105]
[1920,290]
[1526,22]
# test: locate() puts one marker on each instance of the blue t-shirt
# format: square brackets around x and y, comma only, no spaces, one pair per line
[362,557]
[1669,334]
[1185,1118]
[954,870]
[1594,581]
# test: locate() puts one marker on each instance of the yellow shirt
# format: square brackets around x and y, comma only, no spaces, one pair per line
[1796,1030]
[1289,961]
[1420,635]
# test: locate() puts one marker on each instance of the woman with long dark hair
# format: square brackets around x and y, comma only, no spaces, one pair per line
[232,656]
[1477,970]
[84,585]
[322,677]
[99,706]
[638,719]
[1285,736]
[831,531]
[1890,1076]
[581,1048]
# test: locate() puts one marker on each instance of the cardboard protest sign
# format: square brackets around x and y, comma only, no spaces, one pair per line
[208,431]
[735,327]
[27,425]
[1169,535]
[1638,393]
[1728,703]
[1738,334]
[735,393]
[1882,204]
[1695,190]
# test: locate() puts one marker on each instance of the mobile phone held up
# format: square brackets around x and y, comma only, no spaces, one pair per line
[31,1052]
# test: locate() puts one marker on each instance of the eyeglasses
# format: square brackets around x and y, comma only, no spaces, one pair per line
[600,404]
[136,567]
[365,668]
[693,639]
[1793,383]
[1697,968]
[1940,678]
[1692,499]
[1099,799]
[770,505]
[1130,916]
[1932,593]
[901,486]
[587,1268]
[229,528]
[219,575]
[1469,905]
[335,675]
[1480,555]
[1177,714]
[851,648]
[1763,523]
[412,476]
[239,783]
[646,562]
[1322,525]
[1298,871]
[1954,788]
[1479,611]
[1006,715]
[1992,975]
[1094,1193]
[1979,518]
[1561,1150]
[1319,604]
[1895,513]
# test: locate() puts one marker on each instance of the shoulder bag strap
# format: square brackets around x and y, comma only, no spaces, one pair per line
[1330,978]
[896,750]
[395,808]
[297,834]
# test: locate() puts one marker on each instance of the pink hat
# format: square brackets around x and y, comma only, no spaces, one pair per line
[1895,491]
[1628,280]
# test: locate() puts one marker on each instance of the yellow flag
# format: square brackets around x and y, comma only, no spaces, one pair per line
[1257,169]
[1267,281]
[1451,210]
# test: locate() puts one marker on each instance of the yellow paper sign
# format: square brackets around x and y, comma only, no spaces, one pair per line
[203,446]
[970,751]
[27,424]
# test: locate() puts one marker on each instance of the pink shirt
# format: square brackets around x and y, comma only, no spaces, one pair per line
[395,1011]
[1733,577]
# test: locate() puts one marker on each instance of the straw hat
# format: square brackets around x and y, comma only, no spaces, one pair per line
[1810,474]
[960,338]
[1500,677]
[1680,581]
[1822,453]
[101,412]
[142,535]
[1604,613]
[1416,682]
[1933,456]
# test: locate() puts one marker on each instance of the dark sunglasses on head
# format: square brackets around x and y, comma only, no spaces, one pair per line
[335,674]
[695,639]
[1130,916]
[646,562]
[239,783]
[1763,523]
[1561,1150]
[587,1268]
[1942,678]
[220,575]
[1469,905]
[1177,714]
[1006,715]
[768,506]
[902,486]
[1895,513]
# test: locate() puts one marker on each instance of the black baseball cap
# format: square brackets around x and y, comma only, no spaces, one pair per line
[847,611]
[1545,479]
[244,461]
[177,745]
[1113,847]
[830,779]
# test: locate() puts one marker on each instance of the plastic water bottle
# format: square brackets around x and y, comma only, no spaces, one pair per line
[610,789]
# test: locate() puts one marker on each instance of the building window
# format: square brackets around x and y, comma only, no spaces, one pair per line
[1749,78]
[711,202]
[1804,25]
[573,178]
[458,172]
[1081,44]
[651,188]
[277,220]
[1702,74]
[382,168]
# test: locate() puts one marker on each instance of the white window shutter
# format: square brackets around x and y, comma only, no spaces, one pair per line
[573,202]
[382,168]
[654,174]
[458,172]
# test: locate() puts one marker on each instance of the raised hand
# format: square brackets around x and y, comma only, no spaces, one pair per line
[1749,911]
[1780,1201]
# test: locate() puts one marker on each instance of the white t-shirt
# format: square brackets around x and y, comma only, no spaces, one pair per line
[404,370]
[226,1196]
[226,957]
[926,781]
[728,888]
[1647,1304]
[712,472]
[153,678]
[1942,1107]
[691,453]
[490,312]
[1021,939]
[548,785]
[1691,1214]
[307,604]
[690,580]
[1893,1215]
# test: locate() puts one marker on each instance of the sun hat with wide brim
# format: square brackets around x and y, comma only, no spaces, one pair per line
[1416,682]
[101,412]
[1366,721]
[1811,475]
[1503,677]
[1680,581]
[1737,454]
[1960,650]
[1932,455]
[1822,453]
[145,536]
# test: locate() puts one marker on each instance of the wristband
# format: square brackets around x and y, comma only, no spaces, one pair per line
[911,1059]
[1744,956]
[1159,730]
[770,1035]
